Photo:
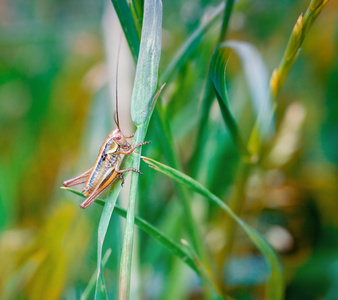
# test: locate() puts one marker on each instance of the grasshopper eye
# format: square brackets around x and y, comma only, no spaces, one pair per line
[118,138]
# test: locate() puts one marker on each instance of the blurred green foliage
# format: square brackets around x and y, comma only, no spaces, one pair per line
[54,102]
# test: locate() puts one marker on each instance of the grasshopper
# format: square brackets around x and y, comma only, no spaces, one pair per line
[107,166]
[106,169]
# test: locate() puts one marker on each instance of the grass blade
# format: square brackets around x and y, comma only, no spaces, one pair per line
[136,8]
[127,22]
[226,19]
[257,78]
[274,289]
[148,62]
[100,291]
[217,75]
[190,45]
[141,110]
[258,82]
[127,247]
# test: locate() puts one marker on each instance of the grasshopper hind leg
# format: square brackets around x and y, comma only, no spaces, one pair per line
[78,179]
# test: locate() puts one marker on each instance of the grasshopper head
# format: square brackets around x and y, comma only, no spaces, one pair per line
[119,138]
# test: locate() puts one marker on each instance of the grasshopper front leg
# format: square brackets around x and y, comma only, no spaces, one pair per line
[127,153]
[132,149]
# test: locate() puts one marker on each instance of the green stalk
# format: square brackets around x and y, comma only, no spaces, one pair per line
[226,19]
[126,257]
[296,39]
[142,105]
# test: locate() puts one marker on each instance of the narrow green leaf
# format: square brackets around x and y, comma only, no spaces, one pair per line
[190,45]
[217,75]
[274,289]
[173,247]
[141,109]
[148,62]
[126,19]
[100,291]
[226,19]
[257,77]
[136,8]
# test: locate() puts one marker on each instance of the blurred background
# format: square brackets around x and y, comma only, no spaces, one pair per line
[57,68]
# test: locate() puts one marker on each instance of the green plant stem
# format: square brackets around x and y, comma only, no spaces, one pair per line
[226,18]
[126,257]
[142,104]
[292,49]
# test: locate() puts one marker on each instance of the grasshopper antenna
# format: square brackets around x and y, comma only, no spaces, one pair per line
[116,115]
